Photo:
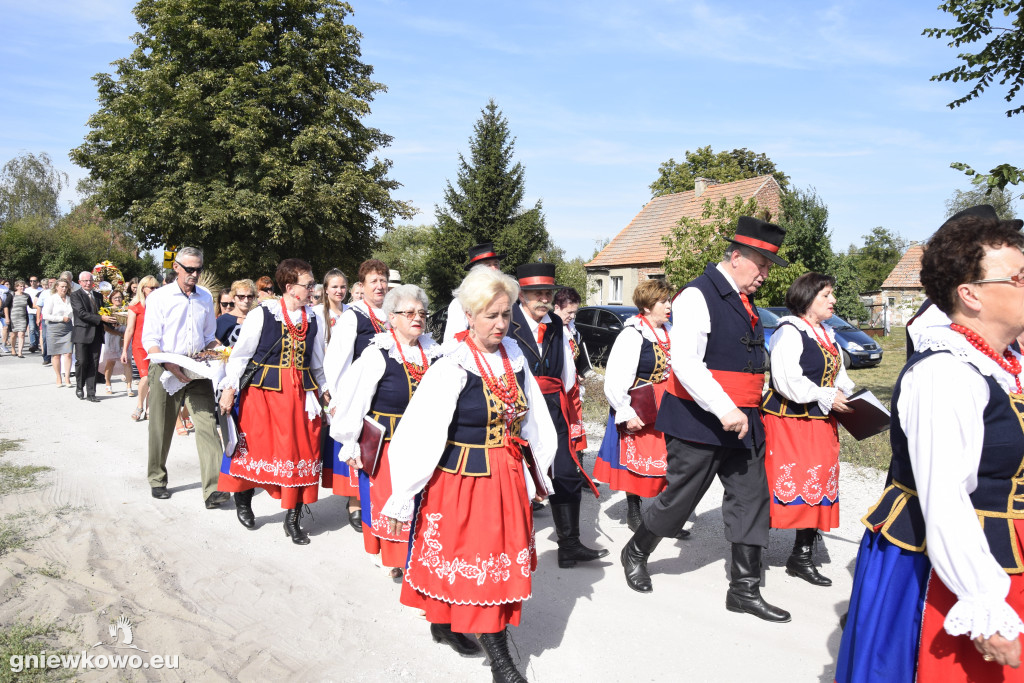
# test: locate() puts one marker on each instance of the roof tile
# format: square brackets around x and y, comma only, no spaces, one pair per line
[907,272]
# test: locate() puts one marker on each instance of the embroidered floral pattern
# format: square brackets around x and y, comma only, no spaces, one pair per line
[641,463]
[815,488]
[832,485]
[280,469]
[785,487]
[495,569]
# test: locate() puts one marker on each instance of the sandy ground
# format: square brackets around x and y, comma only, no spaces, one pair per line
[249,605]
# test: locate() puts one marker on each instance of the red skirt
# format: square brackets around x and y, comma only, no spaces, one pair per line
[472,548]
[642,460]
[341,479]
[802,464]
[393,549]
[954,659]
[141,359]
[280,451]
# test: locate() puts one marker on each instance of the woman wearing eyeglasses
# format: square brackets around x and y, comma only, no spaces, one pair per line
[279,412]
[460,447]
[235,303]
[349,338]
[938,592]
[381,383]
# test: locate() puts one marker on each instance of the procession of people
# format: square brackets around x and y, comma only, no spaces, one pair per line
[445,451]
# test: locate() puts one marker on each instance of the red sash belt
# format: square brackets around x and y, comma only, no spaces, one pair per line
[743,388]
[548,386]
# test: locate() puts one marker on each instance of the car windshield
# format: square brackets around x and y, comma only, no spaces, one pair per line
[837,323]
[768,319]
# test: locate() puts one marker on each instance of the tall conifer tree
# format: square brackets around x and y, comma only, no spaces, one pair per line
[485,206]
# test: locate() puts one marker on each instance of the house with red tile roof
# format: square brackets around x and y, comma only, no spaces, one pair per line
[637,253]
[901,294]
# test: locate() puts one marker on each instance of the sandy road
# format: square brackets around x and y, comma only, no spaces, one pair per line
[249,605]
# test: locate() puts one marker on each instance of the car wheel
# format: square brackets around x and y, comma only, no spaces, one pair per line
[846,360]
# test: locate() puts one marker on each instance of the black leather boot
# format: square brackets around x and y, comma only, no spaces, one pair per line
[632,511]
[634,558]
[744,592]
[243,508]
[567,526]
[292,528]
[800,563]
[443,633]
[503,669]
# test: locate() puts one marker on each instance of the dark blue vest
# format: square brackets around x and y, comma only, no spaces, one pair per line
[817,365]
[364,331]
[733,346]
[477,425]
[998,500]
[394,391]
[550,360]
[289,353]
[652,364]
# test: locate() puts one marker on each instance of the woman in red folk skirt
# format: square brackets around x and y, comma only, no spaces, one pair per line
[808,384]
[380,384]
[632,457]
[278,413]
[460,450]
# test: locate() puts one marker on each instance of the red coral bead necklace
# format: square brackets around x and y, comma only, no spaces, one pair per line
[1007,362]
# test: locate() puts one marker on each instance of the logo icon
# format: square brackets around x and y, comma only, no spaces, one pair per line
[123,625]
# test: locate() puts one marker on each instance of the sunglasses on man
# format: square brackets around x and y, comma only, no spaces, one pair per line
[191,270]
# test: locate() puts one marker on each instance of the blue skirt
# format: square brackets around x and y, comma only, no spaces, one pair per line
[883,628]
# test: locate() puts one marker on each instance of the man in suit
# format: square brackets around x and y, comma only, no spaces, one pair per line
[538,332]
[709,415]
[87,335]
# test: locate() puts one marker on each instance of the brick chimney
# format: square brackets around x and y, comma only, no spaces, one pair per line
[701,184]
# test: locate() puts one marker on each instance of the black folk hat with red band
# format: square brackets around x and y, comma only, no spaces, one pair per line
[763,237]
[482,252]
[537,276]
[983,212]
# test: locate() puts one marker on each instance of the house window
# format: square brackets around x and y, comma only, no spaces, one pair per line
[599,290]
[656,276]
[616,297]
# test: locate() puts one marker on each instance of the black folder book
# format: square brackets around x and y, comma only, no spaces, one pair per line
[869,416]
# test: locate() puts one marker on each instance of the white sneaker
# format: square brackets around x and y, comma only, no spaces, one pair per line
[4,349]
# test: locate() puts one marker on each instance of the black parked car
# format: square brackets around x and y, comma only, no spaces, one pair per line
[599,326]
[859,350]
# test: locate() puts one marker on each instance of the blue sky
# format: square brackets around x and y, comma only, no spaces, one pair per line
[598,94]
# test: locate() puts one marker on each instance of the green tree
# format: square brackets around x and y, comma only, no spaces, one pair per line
[1001,58]
[724,167]
[237,126]
[30,187]
[875,260]
[848,288]
[485,205]
[808,237]
[406,248]
[997,197]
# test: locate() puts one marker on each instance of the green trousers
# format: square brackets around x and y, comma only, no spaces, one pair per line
[163,413]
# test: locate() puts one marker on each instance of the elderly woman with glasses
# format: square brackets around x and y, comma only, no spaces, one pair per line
[381,382]
[278,413]
[938,592]
[464,446]
[235,303]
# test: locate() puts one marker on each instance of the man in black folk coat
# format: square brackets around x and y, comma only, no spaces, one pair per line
[87,335]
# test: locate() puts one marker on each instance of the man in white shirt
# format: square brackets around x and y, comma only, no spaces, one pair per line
[709,415]
[180,319]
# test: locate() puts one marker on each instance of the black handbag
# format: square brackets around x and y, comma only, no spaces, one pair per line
[250,369]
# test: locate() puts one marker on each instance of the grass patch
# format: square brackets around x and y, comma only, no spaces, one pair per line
[17,477]
[595,405]
[21,639]
[52,570]
[12,533]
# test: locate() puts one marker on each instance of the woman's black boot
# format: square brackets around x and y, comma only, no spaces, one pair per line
[632,511]
[292,528]
[800,563]
[460,642]
[243,508]
[503,670]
